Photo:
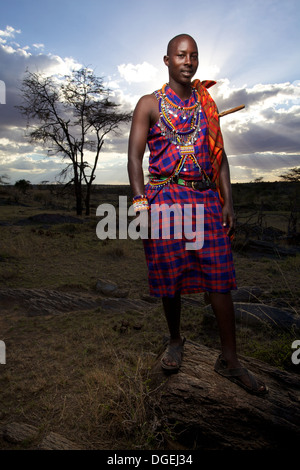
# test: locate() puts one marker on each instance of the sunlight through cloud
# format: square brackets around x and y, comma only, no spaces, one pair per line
[144,72]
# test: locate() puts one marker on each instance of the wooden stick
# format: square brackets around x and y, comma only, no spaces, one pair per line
[232,110]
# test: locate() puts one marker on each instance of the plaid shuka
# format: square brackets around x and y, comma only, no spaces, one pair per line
[171,266]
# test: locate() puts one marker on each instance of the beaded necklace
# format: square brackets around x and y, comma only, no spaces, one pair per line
[184,140]
[167,109]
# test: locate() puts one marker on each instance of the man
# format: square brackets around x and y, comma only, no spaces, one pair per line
[188,164]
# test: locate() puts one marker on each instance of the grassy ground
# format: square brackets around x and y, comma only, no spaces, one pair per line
[80,374]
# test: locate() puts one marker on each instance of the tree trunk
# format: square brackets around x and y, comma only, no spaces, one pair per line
[209,412]
[87,199]
[78,204]
[78,196]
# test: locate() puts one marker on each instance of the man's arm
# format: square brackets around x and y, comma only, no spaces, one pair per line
[141,122]
[226,192]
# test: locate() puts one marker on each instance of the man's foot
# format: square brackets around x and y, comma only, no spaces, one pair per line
[234,372]
[172,358]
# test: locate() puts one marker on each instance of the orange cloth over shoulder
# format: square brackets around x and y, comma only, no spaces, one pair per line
[215,136]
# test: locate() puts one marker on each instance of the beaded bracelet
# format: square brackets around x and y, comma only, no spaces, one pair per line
[140,203]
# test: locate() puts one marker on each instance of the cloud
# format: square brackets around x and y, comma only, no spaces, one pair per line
[32,168]
[38,46]
[18,157]
[15,60]
[9,32]
[261,140]
[16,152]
[269,123]
[139,73]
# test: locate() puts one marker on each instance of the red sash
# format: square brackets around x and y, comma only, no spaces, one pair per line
[215,135]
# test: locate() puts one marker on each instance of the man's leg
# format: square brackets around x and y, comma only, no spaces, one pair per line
[224,310]
[222,306]
[172,309]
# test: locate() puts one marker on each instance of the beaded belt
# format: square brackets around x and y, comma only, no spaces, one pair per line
[199,185]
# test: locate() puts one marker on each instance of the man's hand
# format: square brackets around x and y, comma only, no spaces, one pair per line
[143,220]
[228,218]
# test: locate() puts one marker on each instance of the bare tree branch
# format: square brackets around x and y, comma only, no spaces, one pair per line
[71,116]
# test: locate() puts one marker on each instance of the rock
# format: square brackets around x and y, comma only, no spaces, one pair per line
[110,289]
[150,299]
[205,411]
[121,305]
[246,294]
[106,287]
[54,441]
[121,293]
[242,294]
[255,313]
[46,301]
[16,433]
[194,302]
[261,247]
[37,302]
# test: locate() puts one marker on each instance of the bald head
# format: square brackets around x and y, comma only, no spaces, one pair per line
[181,60]
[174,42]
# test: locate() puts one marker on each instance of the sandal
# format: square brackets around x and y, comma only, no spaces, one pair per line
[174,353]
[234,375]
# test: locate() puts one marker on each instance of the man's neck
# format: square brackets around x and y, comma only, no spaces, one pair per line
[184,91]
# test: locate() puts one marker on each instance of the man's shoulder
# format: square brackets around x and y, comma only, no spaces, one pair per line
[147,103]
[148,99]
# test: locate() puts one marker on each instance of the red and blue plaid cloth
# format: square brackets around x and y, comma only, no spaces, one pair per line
[171,266]
[164,157]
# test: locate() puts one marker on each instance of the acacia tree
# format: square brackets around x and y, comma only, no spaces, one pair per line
[3,178]
[293,174]
[71,116]
[23,185]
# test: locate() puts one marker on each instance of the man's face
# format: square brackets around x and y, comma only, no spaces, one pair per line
[182,60]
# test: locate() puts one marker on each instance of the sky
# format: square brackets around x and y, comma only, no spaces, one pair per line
[251,48]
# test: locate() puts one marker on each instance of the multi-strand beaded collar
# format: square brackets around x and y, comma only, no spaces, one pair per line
[184,136]
[168,110]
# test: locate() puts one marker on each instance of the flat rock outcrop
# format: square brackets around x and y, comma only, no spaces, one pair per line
[208,412]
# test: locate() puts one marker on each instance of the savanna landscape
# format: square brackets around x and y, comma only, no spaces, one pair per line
[81,331]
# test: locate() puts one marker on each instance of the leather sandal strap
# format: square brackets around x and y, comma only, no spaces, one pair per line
[234,372]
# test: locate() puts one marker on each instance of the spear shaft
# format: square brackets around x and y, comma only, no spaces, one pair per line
[232,110]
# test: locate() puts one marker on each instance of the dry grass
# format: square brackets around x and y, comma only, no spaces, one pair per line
[76,373]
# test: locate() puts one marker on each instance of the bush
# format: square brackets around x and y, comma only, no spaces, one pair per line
[23,185]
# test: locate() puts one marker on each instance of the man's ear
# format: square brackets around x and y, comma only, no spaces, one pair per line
[166,60]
